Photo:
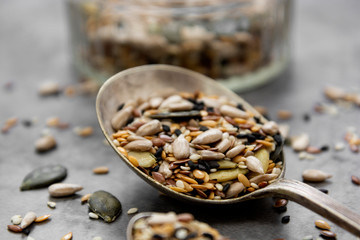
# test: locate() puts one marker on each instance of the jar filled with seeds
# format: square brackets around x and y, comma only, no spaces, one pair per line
[240,43]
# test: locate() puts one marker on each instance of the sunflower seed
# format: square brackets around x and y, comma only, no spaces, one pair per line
[254,164]
[45,143]
[106,205]
[209,136]
[28,219]
[263,177]
[139,145]
[181,148]
[43,177]
[233,112]
[270,128]
[234,189]
[223,145]
[51,204]
[49,88]
[301,142]
[150,128]
[121,117]
[63,189]
[313,175]
[210,155]
[235,151]
[182,105]
[101,170]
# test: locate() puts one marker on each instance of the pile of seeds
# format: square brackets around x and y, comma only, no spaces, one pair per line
[203,146]
[169,226]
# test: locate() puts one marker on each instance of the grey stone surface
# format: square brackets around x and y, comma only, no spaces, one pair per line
[34,47]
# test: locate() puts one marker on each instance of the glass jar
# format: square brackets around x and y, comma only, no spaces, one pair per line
[241,43]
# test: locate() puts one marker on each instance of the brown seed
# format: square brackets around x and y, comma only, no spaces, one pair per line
[355,180]
[262,184]
[158,142]
[328,234]
[67,236]
[158,177]
[84,132]
[101,170]
[322,224]
[284,114]
[313,150]
[244,180]
[14,228]
[42,218]
[45,143]
[85,198]
[280,203]
[198,174]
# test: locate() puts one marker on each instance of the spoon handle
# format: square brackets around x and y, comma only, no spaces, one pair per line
[318,202]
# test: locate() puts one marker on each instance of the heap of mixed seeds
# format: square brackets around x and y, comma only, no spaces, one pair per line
[171,226]
[204,146]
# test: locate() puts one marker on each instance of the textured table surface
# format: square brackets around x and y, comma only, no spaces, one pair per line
[34,48]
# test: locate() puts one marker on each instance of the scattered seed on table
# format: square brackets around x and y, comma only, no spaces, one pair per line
[97,238]
[63,189]
[323,190]
[67,236]
[93,215]
[280,203]
[14,228]
[51,204]
[28,219]
[314,175]
[101,170]
[30,238]
[49,88]
[355,180]
[132,211]
[309,237]
[42,218]
[106,205]
[85,198]
[328,234]
[45,143]
[284,114]
[16,219]
[339,146]
[322,225]
[285,219]
[84,131]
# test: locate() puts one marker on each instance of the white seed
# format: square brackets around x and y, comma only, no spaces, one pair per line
[219,186]
[301,142]
[149,128]
[172,99]
[93,215]
[121,117]
[254,185]
[185,168]
[313,175]
[139,145]
[284,130]
[28,219]
[209,136]
[181,148]
[235,151]
[132,211]
[210,155]
[30,238]
[155,102]
[309,237]
[334,93]
[183,105]
[194,157]
[254,164]
[213,170]
[116,142]
[16,219]
[233,112]
[160,218]
[180,184]
[63,189]
[49,88]
[45,143]
[51,204]
[97,238]
[339,146]
[270,128]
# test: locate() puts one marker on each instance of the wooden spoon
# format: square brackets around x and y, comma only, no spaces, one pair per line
[144,81]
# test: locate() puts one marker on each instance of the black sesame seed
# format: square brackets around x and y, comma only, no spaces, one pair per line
[159,152]
[198,106]
[323,190]
[191,164]
[257,120]
[208,235]
[157,236]
[166,128]
[200,181]
[213,164]
[201,167]
[285,219]
[205,165]
[210,109]
[306,117]
[156,168]
[203,128]
[26,231]
[177,132]
[324,148]
[120,106]
[226,187]
[27,123]
[240,106]
[258,136]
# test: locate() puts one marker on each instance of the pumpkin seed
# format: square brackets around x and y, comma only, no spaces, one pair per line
[225,164]
[263,155]
[227,175]
[106,205]
[145,159]
[43,177]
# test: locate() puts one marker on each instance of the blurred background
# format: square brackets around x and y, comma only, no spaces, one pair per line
[278,55]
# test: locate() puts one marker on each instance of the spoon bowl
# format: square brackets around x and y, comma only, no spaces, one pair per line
[145,81]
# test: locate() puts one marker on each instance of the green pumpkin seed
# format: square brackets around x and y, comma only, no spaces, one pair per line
[145,159]
[43,177]
[225,164]
[105,205]
[263,155]
[227,175]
